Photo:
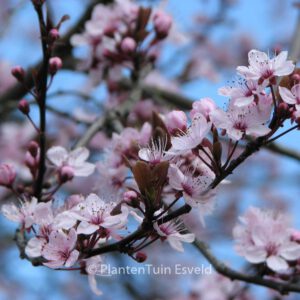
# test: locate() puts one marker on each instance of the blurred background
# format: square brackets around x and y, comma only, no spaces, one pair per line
[212,37]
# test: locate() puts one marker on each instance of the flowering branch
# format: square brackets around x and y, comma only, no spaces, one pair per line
[281,287]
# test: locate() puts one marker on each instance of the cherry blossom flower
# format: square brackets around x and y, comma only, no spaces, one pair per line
[60,249]
[94,214]
[171,231]
[192,138]
[50,220]
[245,93]
[292,96]
[250,120]
[194,188]
[203,106]
[264,236]
[23,214]
[76,160]
[154,153]
[262,68]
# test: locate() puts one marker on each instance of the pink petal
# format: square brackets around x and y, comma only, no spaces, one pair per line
[277,263]
[57,155]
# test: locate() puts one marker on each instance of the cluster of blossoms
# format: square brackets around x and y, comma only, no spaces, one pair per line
[119,34]
[146,173]
[266,237]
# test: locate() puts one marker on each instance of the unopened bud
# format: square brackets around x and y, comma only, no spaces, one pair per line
[128,45]
[33,148]
[54,34]
[24,107]
[296,77]
[7,175]
[18,72]
[162,24]
[66,173]
[176,121]
[129,196]
[140,257]
[55,64]
[283,110]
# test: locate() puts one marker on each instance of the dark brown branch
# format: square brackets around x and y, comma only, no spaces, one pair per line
[41,93]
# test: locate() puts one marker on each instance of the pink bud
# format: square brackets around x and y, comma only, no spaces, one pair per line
[54,34]
[129,196]
[176,120]
[295,236]
[24,107]
[128,45]
[55,64]
[140,257]
[18,72]
[66,173]
[296,77]
[162,24]
[33,148]
[283,110]
[7,175]
[203,106]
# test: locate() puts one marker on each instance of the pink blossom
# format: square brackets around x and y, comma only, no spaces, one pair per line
[94,214]
[23,214]
[171,231]
[244,94]
[261,67]
[194,188]
[154,153]
[192,138]
[7,175]
[250,120]
[265,236]
[60,249]
[292,96]
[175,121]
[203,106]
[76,160]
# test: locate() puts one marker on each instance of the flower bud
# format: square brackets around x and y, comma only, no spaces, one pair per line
[65,174]
[129,196]
[203,106]
[176,120]
[7,175]
[33,148]
[24,107]
[128,45]
[283,110]
[162,24]
[140,257]
[295,236]
[54,34]
[55,64]
[18,72]
[296,77]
